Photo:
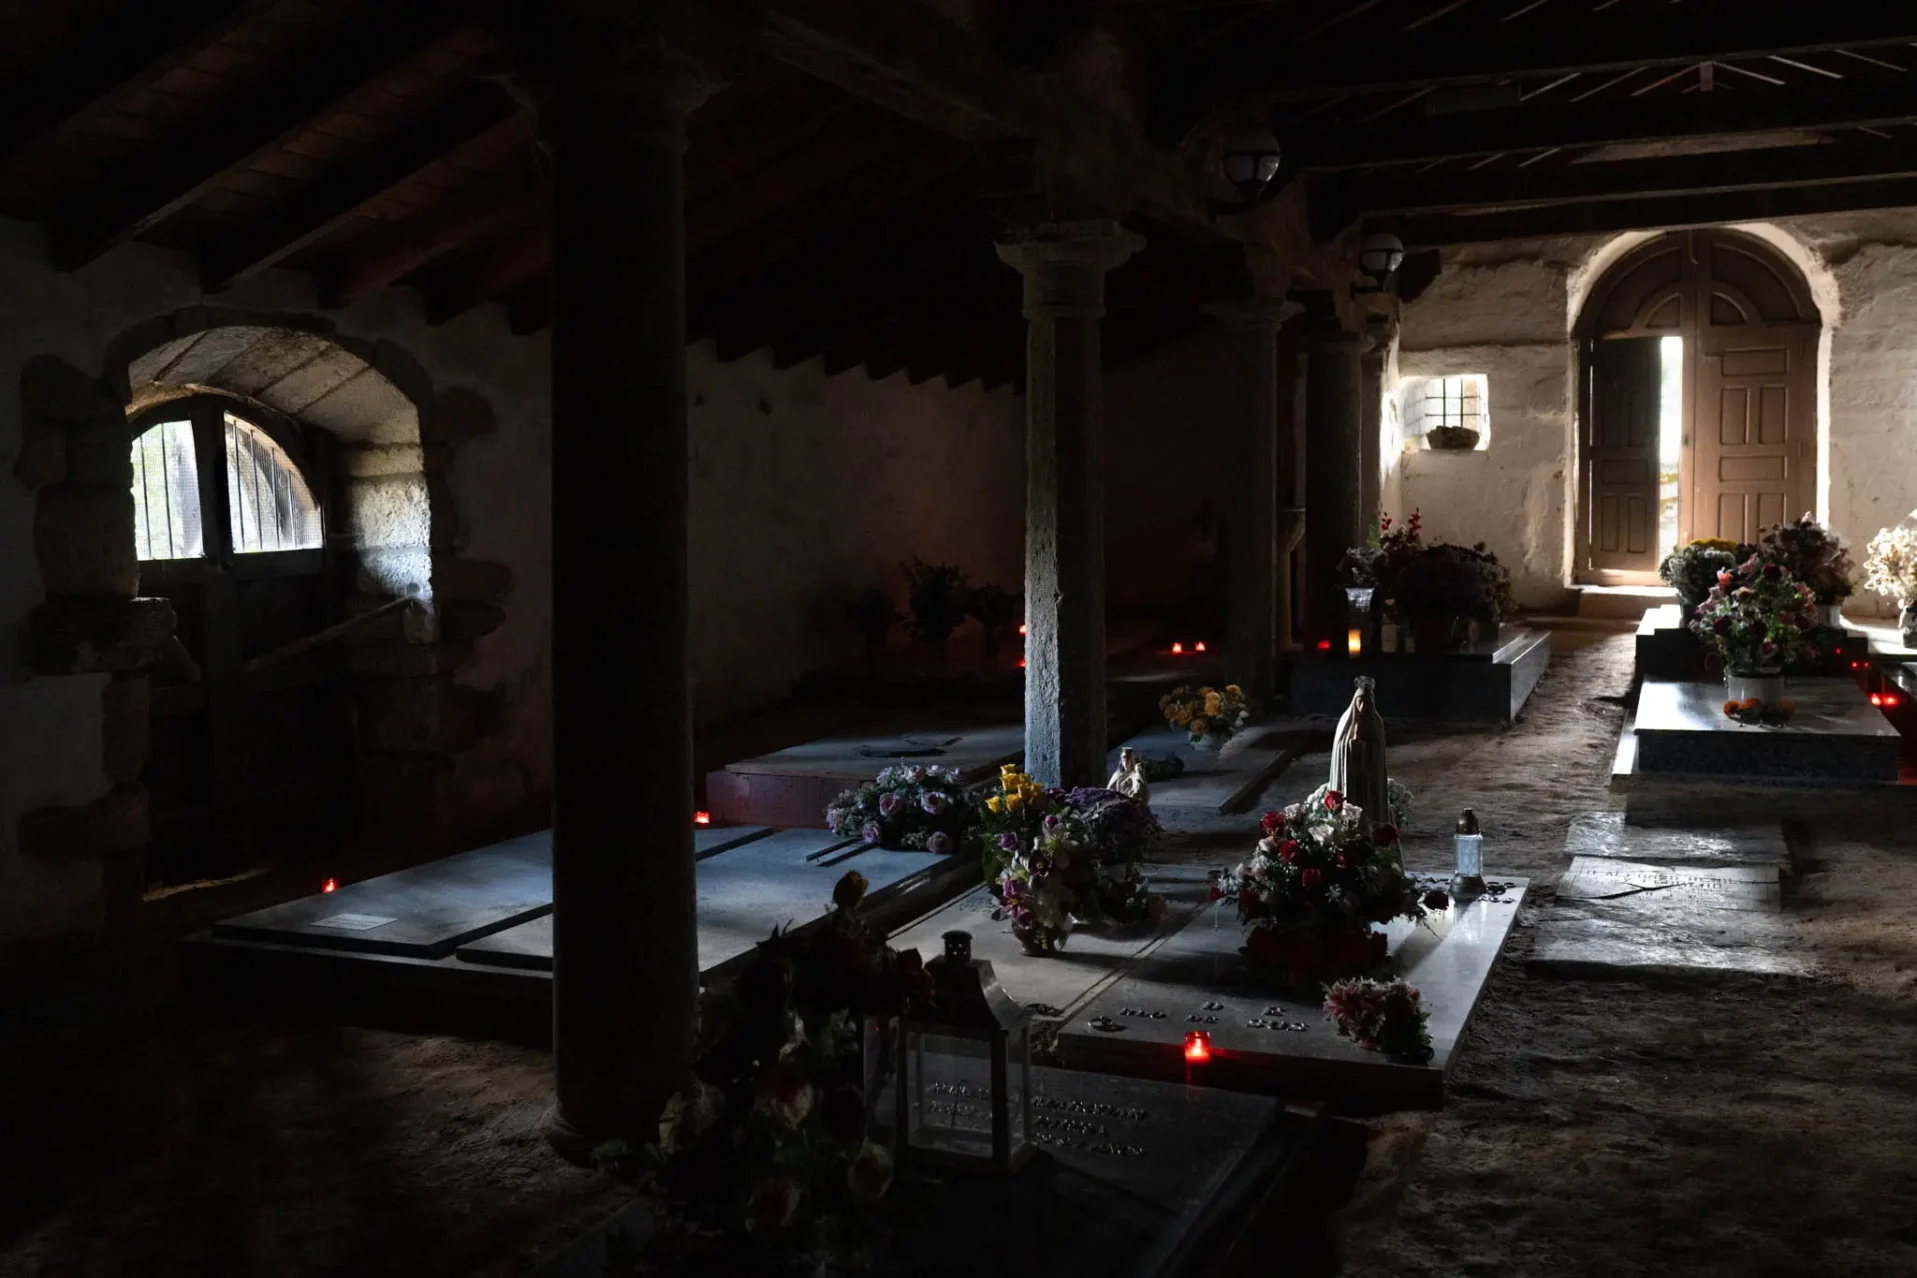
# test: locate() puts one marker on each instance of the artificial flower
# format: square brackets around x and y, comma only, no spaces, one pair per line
[784,1094]
[849,890]
[771,1205]
[870,1174]
[938,843]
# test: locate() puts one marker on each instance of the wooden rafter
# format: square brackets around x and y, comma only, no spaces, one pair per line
[1560,44]
[490,276]
[311,213]
[163,180]
[471,216]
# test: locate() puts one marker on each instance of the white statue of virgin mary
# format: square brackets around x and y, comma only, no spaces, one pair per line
[1358,757]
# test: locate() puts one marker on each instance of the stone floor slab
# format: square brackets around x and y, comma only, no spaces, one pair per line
[1219,781]
[1609,834]
[1720,887]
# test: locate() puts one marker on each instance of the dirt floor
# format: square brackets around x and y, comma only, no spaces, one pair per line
[1749,1128]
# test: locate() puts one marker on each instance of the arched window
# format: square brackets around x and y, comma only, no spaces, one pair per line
[269,506]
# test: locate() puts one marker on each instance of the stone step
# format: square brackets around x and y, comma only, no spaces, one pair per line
[1624,603]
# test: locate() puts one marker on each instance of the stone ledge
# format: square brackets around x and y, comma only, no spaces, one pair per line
[100,636]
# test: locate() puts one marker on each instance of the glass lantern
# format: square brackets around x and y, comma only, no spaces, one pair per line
[1468,880]
[964,1079]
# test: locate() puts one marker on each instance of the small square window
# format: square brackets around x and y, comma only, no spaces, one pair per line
[1447,412]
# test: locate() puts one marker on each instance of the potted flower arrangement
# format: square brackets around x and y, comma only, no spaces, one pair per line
[935,596]
[1445,589]
[1890,569]
[1309,894]
[1751,624]
[1382,1016]
[1059,859]
[907,807]
[1210,715]
[1815,556]
[1692,570]
[763,1166]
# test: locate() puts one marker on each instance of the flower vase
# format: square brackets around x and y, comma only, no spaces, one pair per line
[1907,623]
[1766,687]
[1211,742]
[1830,616]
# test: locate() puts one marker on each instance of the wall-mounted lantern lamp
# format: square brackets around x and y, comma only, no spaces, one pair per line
[1251,161]
[1379,258]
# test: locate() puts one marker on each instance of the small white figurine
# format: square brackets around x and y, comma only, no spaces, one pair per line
[1129,780]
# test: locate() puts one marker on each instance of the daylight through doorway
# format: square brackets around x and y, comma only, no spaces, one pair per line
[1670,440]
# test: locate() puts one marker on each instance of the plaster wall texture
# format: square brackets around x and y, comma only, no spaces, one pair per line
[1506,310]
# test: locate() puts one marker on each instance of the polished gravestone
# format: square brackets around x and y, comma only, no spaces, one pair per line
[1215,781]
[1132,1179]
[783,879]
[1835,734]
[1267,1039]
[1617,919]
[1666,648]
[793,787]
[428,911]
[1487,681]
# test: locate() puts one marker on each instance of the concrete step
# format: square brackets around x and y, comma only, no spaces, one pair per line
[1621,602]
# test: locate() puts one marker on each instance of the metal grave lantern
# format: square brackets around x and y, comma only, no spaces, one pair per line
[964,1080]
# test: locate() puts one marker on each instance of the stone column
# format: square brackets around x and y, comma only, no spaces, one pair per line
[625,965]
[1370,428]
[1251,607]
[1064,266]
[1332,427]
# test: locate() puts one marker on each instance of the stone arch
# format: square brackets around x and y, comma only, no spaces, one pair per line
[401,526]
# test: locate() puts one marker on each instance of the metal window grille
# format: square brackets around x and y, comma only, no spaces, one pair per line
[166,493]
[270,506]
[1449,401]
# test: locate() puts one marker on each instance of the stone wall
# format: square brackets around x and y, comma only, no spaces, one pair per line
[1506,311]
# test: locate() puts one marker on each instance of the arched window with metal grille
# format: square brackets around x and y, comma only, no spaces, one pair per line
[269,505]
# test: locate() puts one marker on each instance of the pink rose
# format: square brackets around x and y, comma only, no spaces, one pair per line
[772,1205]
[1310,878]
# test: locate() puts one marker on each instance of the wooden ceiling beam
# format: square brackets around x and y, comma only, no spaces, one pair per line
[1366,60]
[1609,216]
[490,277]
[1697,115]
[889,297]
[140,44]
[491,206]
[1339,201]
[309,215]
[160,181]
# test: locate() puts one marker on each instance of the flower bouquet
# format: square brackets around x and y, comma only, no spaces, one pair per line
[907,807]
[1890,569]
[762,1165]
[1210,715]
[1811,553]
[1755,621]
[1316,883]
[1692,570]
[1384,1016]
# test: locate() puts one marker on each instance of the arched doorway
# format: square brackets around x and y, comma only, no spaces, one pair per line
[1697,412]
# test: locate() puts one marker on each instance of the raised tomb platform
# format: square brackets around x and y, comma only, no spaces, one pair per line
[1487,681]
[1666,649]
[1835,736]
[794,786]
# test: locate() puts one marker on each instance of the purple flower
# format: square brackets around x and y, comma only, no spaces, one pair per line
[939,843]
[1051,822]
[915,775]
[889,804]
[1008,842]
[871,834]
[934,802]
[1722,625]
[834,817]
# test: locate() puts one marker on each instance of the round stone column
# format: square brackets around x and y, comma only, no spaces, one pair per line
[625,939]
[1064,266]
[1332,488]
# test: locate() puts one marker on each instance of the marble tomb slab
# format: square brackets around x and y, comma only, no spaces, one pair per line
[1619,919]
[1057,985]
[428,911]
[784,878]
[1486,682]
[793,787]
[1835,734]
[1184,1162]
[1218,781]
[1609,834]
[1199,981]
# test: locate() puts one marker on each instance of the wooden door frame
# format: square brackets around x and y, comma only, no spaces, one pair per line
[1694,287]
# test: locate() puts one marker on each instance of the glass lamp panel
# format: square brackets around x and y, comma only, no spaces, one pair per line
[1018,1051]
[950,1110]
[879,1048]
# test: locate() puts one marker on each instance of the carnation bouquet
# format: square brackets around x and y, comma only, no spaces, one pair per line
[1056,858]
[907,807]
[1812,554]
[763,1166]
[1692,570]
[1316,883]
[1756,620]
[1206,711]
[1384,1016]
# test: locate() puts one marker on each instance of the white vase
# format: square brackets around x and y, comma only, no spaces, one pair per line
[1766,686]
[1830,616]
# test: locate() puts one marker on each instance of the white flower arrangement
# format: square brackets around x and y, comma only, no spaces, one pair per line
[1890,563]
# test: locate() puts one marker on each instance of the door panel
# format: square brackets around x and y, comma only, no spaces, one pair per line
[1620,463]
[1754,454]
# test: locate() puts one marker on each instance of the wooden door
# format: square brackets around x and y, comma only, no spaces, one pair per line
[1754,446]
[1620,455]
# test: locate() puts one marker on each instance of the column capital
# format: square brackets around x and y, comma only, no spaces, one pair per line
[1254,313]
[653,62]
[1064,263]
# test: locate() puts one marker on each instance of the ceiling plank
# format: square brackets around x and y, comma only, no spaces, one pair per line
[470,216]
[142,43]
[1560,44]
[161,181]
[1659,213]
[311,214]
[1634,120]
[490,277]
[1338,202]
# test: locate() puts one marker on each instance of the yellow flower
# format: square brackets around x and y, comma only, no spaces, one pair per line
[1014,800]
[1199,727]
[1214,704]
[995,804]
[1233,689]
[1182,718]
